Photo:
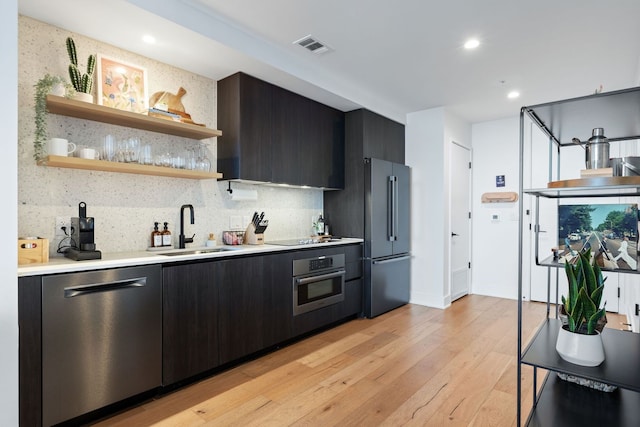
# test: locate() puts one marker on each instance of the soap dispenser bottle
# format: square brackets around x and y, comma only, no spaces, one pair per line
[156,236]
[166,235]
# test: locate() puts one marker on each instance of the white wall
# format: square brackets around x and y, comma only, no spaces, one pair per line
[8,193]
[428,137]
[495,243]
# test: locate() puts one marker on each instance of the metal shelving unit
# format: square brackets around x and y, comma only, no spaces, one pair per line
[559,402]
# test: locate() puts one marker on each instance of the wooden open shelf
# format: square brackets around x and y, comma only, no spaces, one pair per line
[99,113]
[134,168]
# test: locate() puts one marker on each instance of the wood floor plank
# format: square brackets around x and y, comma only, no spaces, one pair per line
[412,366]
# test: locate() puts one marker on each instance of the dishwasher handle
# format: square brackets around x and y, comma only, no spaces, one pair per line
[92,288]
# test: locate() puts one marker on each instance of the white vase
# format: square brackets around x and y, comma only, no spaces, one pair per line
[580,349]
[84,97]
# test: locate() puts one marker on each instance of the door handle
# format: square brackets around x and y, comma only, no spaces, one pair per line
[454,234]
[390,260]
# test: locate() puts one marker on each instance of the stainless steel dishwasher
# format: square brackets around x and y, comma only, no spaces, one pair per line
[101,339]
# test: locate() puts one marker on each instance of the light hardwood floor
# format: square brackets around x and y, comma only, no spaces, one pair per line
[413,366]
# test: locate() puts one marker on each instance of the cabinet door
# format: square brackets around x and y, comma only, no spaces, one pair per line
[190,330]
[277,273]
[323,154]
[256,300]
[244,114]
[255,129]
[30,346]
[382,138]
[287,141]
[353,302]
[242,314]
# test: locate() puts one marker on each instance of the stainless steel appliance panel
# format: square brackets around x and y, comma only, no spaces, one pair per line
[388,287]
[318,282]
[402,215]
[102,339]
[387,236]
[387,208]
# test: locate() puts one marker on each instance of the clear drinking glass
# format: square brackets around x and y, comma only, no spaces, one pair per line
[190,159]
[109,148]
[146,155]
[203,163]
[133,152]
[121,153]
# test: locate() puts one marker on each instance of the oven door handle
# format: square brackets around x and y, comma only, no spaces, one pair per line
[305,280]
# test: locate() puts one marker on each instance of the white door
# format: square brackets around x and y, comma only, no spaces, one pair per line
[459,220]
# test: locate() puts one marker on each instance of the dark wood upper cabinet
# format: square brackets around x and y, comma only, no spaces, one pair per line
[244,109]
[270,134]
[367,134]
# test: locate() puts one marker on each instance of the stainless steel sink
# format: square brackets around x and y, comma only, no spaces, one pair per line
[194,251]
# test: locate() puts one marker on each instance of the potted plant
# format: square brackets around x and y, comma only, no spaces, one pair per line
[579,339]
[83,83]
[46,85]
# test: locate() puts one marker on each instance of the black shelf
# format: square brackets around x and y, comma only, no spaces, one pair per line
[617,112]
[560,403]
[555,263]
[566,404]
[620,366]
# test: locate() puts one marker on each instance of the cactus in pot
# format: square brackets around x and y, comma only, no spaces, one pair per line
[81,82]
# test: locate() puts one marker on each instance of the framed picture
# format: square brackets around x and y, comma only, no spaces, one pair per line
[609,230]
[122,85]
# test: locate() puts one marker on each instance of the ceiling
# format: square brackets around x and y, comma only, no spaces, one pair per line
[390,57]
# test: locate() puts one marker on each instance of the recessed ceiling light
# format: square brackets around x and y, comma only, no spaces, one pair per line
[471,44]
[513,94]
[148,39]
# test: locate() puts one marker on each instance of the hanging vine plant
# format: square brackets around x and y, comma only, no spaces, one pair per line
[43,88]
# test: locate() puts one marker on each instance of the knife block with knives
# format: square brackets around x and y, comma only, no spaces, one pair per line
[254,235]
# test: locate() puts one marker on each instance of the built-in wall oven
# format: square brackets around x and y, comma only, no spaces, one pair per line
[317,282]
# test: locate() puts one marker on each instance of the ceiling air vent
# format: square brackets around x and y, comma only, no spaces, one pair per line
[312,44]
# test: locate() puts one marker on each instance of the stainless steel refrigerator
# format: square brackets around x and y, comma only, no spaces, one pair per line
[387,258]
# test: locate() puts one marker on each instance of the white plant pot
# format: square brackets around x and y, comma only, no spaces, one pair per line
[58,89]
[580,349]
[84,97]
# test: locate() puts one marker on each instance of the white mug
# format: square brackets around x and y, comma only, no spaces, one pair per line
[60,147]
[87,153]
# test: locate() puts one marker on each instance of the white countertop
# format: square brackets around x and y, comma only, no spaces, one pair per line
[127,259]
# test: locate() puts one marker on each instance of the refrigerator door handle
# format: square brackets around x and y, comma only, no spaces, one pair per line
[390,260]
[395,208]
[390,208]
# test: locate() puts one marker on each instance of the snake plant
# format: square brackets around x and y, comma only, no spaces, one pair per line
[81,82]
[586,285]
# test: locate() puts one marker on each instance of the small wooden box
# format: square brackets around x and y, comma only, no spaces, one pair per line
[590,173]
[32,250]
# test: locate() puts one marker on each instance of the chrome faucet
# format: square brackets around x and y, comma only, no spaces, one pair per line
[181,239]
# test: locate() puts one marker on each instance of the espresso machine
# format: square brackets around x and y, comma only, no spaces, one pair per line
[83,246]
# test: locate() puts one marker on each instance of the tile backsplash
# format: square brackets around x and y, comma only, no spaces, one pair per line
[125,206]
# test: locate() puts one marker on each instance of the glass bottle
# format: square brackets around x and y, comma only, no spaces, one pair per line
[156,236]
[166,235]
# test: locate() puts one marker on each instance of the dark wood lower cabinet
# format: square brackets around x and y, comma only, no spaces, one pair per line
[214,312]
[189,321]
[251,315]
[30,350]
